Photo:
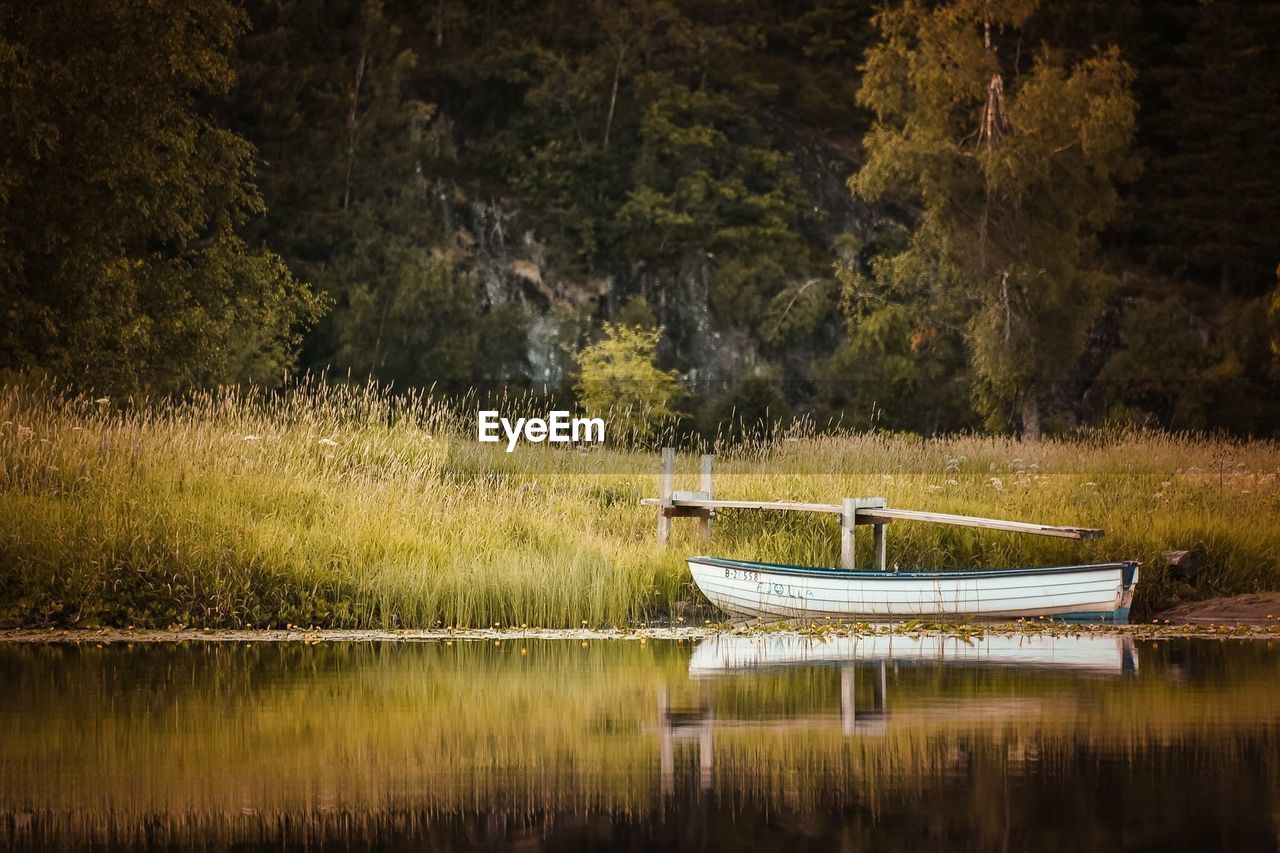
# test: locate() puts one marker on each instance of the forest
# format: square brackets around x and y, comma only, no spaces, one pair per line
[989,215]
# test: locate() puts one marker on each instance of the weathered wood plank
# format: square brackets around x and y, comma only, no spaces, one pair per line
[869,515]
[875,516]
[783,506]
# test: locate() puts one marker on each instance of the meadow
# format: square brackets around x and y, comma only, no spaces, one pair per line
[348,506]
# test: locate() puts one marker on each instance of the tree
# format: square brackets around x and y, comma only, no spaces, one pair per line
[1213,193]
[1015,168]
[636,140]
[1273,317]
[903,363]
[750,408]
[350,157]
[618,379]
[122,264]
[1159,367]
[419,322]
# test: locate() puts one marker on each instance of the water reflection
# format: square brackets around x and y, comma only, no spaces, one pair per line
[736,742]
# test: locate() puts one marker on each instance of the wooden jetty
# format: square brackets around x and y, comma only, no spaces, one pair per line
[853,512]
[1094,592]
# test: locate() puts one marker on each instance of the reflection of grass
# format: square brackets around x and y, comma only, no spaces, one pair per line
[343,506]
[224,736]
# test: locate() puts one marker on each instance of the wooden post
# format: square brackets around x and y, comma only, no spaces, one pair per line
[881,699]
[848,522]
[666,485]
[848,518]
[704,523]
[706,756]
[666,743]
[848,692]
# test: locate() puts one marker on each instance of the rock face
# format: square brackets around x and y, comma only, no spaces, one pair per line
[513,267]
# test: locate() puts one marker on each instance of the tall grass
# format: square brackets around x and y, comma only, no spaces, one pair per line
[348,506]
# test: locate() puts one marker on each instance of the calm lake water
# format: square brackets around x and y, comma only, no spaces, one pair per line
[769,743]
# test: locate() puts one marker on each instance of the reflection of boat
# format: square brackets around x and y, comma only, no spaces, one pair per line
[729,653]
[867,661]
[1092,593]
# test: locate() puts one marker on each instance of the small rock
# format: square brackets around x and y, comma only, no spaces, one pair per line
[1184,565]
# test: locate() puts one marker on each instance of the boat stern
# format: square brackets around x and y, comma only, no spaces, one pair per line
[1124,598]
[1118,615]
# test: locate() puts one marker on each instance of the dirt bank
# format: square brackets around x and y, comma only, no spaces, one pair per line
[1249,609]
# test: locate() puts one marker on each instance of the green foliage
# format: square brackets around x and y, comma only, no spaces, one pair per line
[749,409]
[634,131]
[1212,191]
[902,363]
[350,205]
[656,146]
[1273,317]
[618,380]
[121,255]
[419,320]
[797,312]
[637,313]
[1176,370]
[1016,169]
[1157,368]
[705,178]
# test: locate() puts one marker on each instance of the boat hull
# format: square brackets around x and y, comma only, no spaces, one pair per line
[1100,592]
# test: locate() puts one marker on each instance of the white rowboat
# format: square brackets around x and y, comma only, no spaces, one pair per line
[1101,592]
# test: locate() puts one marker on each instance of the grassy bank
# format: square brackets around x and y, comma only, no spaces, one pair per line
[347,507]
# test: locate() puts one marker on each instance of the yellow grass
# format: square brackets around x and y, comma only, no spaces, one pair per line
[347,506]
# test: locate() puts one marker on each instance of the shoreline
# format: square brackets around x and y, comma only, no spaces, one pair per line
[964,631]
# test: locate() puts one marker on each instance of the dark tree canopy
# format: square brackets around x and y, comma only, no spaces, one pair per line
[120,249]
[1058,217]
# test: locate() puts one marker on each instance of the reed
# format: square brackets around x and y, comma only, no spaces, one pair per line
[348,506]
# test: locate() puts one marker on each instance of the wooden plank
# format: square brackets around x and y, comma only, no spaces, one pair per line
[880,546]
[783,506]
[876,516]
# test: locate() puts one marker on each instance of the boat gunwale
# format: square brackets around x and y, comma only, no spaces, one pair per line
[890,574]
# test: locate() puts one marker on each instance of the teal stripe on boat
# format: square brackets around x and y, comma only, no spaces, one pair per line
[1120,616]
[889,574]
